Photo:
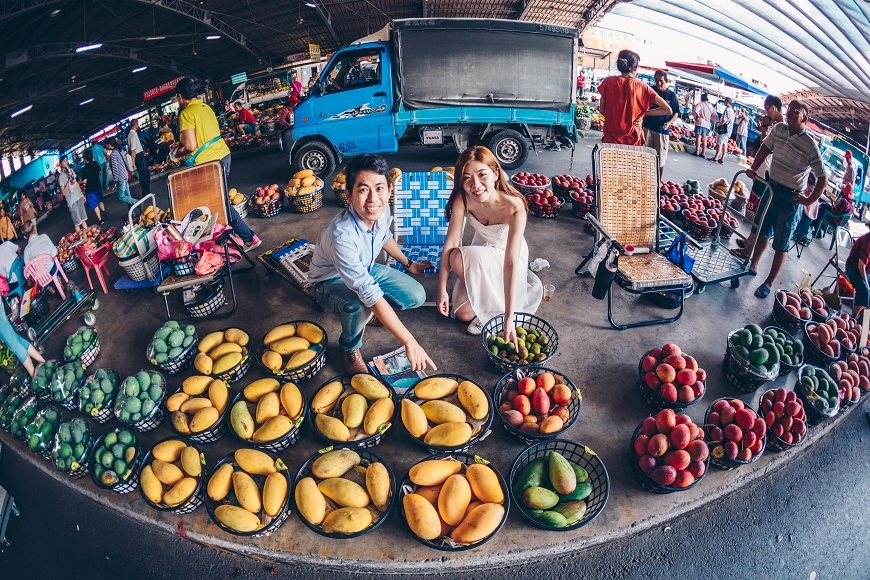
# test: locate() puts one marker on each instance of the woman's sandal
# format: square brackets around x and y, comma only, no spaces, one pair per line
[762,291]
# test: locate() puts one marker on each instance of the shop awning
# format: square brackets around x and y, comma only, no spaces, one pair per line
[715,74]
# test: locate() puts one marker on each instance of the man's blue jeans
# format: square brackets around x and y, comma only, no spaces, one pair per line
[401,291]
[124,192]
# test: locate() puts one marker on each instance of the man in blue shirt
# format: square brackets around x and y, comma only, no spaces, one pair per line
[100,157]
[657,130]
[343,273]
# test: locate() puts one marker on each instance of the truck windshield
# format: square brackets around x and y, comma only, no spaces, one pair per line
[353,70]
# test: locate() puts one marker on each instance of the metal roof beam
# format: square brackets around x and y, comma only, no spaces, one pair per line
[327,21]
[47,118]
[14,8]
[24,138]
[15,97]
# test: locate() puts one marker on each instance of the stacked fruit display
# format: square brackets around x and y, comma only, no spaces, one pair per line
[341,417]
[71,445]
[198,406]
[672,377]
[139,397]
[790,304]
[823,336]
[544,203]
[784,416]
[8,408]
[755,350]
[735,434]
[23,416]
[671,188]
[267,194]
[170,343]
[452,504]
[250,489]
[568,184]
[341,493]
[815,303]
[114,458]
[303,183]
[98,392]
[221,352]
[236,197]
[538,403]
[532,346]
[703,210]
[42,377]
[552,491]
[266,411]
[152,215]
[300,342]
[856,372]
[819,393]
[527,182]
[441,411]
[65,382]
[173,474]
[692,187]
[339,187]
[670,451]
[91,237]
[791,351]
[40,433]
[79,345]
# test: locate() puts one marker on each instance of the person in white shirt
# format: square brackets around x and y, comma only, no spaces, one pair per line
[39,244]
[723,132]
[138,154]
[704,115]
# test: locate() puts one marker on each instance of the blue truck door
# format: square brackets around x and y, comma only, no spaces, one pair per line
[353,108]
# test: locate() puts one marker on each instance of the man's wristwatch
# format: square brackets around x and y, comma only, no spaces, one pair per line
[408,265]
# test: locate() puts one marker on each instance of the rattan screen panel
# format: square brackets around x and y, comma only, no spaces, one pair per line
[628,195]
[198,186]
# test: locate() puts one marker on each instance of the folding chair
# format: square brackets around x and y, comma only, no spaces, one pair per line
[419,225]
[38,269]
[830,221]
[203,185]
[627,213]
[842,239]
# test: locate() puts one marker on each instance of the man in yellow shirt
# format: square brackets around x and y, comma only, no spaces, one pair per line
[199,137]
[7,230]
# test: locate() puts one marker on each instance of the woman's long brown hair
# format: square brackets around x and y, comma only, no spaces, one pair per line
[485,156]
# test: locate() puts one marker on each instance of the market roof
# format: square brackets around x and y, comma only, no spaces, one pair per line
[715,74]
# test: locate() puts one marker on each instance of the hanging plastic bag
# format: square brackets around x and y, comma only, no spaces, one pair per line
[169,248]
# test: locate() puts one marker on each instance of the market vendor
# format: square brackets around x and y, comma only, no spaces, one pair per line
[8,255]
[247,122]
[23,350]
[856,272]
[345,278]
[37,245]
[7,228]
[26,214]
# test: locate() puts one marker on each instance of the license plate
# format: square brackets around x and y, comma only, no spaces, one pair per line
[432,137]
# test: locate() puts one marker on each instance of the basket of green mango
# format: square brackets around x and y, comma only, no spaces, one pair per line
[23,416]
[83,346]
[20,380]
[39,434]
[9,405]
[65,383]
[114,460]
[139,400]
[42,379]
[751,358]
[173,347]
[71,446]
[98,393]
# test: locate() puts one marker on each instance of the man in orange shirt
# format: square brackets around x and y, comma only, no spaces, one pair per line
[7,230]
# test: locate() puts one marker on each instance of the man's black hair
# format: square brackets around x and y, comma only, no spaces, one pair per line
[773,100]
[367,162]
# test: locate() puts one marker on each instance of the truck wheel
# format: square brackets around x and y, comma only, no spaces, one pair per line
[315,156]
[510,148]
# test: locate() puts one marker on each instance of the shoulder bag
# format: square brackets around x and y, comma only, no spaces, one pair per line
[677,254]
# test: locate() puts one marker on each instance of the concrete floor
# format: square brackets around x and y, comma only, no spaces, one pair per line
[601,361]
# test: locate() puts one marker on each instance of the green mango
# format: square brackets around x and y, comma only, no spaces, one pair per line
[551,518]
[532,475]
[188,340]
[126,437]
[172,325]
[176,338]
[189,330]
[175,352]
[133,405]
[562,476]
[573,511]
[162,333]
[144,380]
[582,491]
[161,357]
[540,498]
[160,346]
[155,392]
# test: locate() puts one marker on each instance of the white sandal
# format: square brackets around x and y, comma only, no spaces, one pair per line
[475,327]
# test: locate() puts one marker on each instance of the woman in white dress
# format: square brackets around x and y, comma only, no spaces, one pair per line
[493,275]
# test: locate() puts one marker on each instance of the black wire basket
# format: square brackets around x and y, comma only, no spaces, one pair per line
[699,232]
[580,208]
[509,382]
[786,320]
[210,302]
[444,544]
[363,442]
[173,366]
[725,462]
[654,398]
[785,368]
[647,483]
[269,209]
[304,372]
[306,203]
[816,316]
[744,378]
[71,265]
[547,211]
[845,402]
[814,416]
[495,326]
[578,454]
[812,354]
[210,435]
[105,413]
[280,444]
[123,485]
[185,265]
[196,498]
[480,428]
[773,442]
[155,417]
[89,355]
[366,458]
[39,310]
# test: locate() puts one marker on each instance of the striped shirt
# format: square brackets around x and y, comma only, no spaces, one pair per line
[793,157]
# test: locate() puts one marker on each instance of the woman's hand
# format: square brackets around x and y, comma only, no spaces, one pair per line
[443,303]
[509,334]
[417,356]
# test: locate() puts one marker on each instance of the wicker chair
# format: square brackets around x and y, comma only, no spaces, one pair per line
[627,213]
[419,225]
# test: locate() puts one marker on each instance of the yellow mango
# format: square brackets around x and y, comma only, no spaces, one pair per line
[473,399]
[421,517]
[173,403]
[347,520]
[289,345]
[241,420]
[272,361]
[204,419]
[196,385]
[291,400]
[210,341]
[443,412]
[303,173]
[414,418]
[166,472]
[344,492]
[306,181]
[309,501]
[484,483]
[379,413]
[326,397]
[378,485]
[454,499]
[279,332]
[448,435]
[220,482]
[300,358]
[179,422]
[275,428]
[369,387]
[434,471]
[306,189]
[353,410]
[237,518]
[203,363]
[268,406]
[191,406]
[190,462]
[471,507]
[258,388]
[430,492]
[274,494]
[480,523]
[435,388]
[218,394]
[180,492]
[310,332]
[247,492]
[222,349]
[227,362]
[331,428]
[240,337]
[254,462]
[151,486]
[169,450]
[334,464]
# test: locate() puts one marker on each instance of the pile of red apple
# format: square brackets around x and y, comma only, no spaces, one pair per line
[852,377]
[704,210]
[784,415]
[670,449]
[671,188]
[569,183]
[538,405]
[264,195]
[673,375]
[530,179]
[544,202]
[735,431]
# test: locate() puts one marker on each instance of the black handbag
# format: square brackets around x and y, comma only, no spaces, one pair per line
[722,129]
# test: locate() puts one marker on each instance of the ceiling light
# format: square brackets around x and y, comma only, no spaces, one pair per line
[21,111]
[213,37]
[311,4]
[76,89]
[89,47]
[155,38]
[139,69]
[86,101]
[54,13]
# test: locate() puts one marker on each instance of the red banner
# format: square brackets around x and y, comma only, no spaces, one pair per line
[160,89]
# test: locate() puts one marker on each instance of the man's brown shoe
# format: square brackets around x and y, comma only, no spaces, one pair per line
[353,362]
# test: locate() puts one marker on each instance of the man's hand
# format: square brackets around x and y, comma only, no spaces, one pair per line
[666,126]
[801,199]
[418,268]
[750,173]
[417,356]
